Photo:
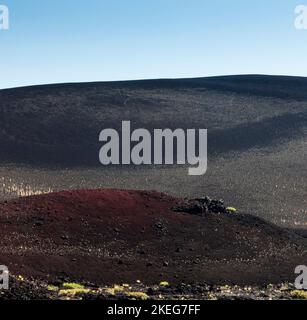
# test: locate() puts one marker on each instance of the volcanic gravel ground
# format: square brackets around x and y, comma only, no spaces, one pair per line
[119,236]
[257,128]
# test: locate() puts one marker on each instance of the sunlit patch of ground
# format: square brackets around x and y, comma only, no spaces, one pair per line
[11,189]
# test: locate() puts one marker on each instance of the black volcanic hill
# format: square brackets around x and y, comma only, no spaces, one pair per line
[256,133]
[56,124]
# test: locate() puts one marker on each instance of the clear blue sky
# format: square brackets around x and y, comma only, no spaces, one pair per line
[52,41]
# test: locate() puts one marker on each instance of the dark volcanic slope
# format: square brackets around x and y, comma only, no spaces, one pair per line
[113,236]
[59,124]
[257,138]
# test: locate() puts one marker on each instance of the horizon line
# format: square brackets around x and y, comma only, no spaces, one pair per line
[43,84]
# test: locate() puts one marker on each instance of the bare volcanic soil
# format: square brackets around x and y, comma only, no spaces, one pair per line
[257,128]
[115,236]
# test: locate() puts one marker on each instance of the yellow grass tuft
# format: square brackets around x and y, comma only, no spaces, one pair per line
[299,294]
[72,285]
[231,210]
[138,295]
[52,288]
[73,292]
[116,289]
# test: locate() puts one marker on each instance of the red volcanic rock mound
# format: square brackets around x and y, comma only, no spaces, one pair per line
[113,236]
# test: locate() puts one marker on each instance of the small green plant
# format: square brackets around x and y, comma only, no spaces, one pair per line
[72,285]
[115,290]
[73,292]
[72,289]
[299,294]
[138,295]
[231,210]
[52,288]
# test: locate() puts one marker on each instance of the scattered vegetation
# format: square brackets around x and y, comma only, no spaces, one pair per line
[72,285]
[115,290]
[23,288]
[138,295]
[69,289]
[52,288]
[299,294]
[164,284]
[73,292]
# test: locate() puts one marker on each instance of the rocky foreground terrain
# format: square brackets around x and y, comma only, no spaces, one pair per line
[33,290]
[81,243]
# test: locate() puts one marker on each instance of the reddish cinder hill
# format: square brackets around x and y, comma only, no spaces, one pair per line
[114,236]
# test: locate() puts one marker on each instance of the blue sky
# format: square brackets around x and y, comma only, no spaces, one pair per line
[53,41]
